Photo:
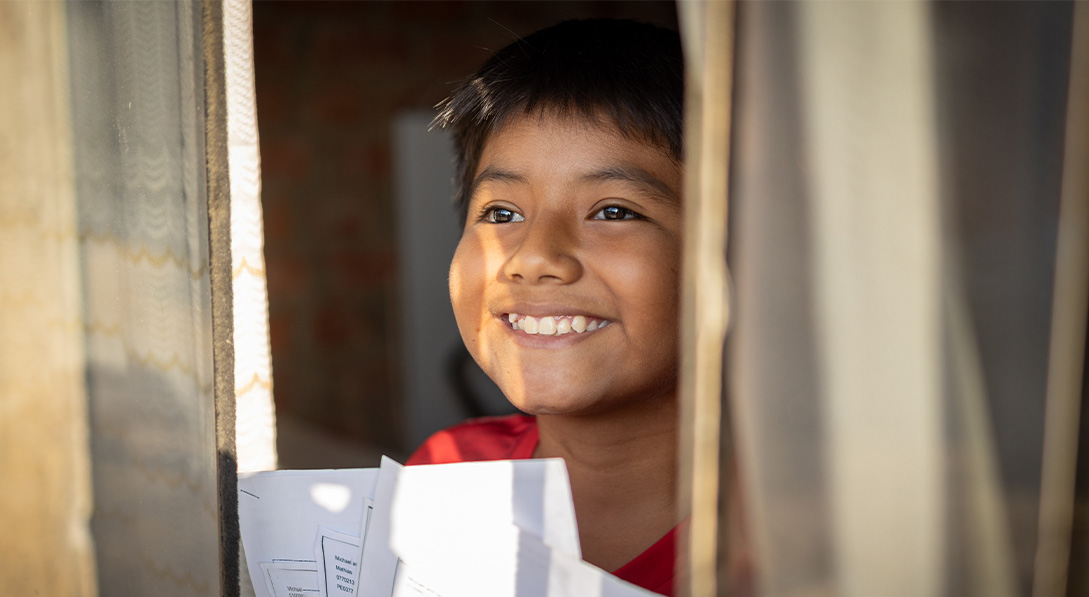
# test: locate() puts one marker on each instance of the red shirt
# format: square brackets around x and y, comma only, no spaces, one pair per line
[514,437]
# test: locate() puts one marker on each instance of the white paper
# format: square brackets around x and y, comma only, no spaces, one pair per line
[379,564]
[290,579]
[280,513]
[422,513]
[514,563]
[462,502]
[484,529]
[338,556]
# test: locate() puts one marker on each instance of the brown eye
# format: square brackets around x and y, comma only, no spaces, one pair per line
[615,212]
[501,215]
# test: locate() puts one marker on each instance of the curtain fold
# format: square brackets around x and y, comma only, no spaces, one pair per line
[45,505]
[896,177]
[138,114]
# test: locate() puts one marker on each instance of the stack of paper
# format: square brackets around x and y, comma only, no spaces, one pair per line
[480,529]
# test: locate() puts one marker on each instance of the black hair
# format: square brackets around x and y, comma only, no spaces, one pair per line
[628,72]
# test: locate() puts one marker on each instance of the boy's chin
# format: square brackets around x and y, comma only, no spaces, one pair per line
[556,405]
[582,405]
[586,400]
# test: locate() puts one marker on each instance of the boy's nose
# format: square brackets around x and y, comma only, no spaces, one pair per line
[546,254]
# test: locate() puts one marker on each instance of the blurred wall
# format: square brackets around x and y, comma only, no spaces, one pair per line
[330,79]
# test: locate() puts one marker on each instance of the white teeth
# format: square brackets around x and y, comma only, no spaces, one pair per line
[529,324]
[554,325]
[578,323]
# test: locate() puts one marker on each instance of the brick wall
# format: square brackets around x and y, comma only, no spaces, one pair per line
[330,76]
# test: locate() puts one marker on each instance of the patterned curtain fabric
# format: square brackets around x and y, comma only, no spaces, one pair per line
[255,418]
[138,109]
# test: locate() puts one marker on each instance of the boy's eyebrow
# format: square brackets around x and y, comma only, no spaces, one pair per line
[493,174]
[636,176]
[629,174]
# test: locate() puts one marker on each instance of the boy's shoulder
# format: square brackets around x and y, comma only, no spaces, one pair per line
[511,437]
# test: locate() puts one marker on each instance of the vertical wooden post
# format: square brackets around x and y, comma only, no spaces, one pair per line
[708,29]
[219,238]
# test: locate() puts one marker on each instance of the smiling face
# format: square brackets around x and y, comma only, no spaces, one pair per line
[565,282]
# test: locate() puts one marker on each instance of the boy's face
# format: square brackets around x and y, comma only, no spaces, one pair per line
[571,225]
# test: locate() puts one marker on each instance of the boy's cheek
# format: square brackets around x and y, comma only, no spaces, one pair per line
[467,285]
[461,272]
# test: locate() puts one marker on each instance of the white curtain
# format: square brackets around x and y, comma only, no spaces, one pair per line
[138,110]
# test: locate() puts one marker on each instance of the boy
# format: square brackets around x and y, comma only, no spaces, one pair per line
[565,284]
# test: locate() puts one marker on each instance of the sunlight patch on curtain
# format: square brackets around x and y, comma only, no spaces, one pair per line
[255,433]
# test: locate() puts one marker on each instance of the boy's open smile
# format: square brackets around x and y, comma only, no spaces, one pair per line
[555,325]
[565,282]
[551,331]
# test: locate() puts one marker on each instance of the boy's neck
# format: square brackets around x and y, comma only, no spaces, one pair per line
[623,470]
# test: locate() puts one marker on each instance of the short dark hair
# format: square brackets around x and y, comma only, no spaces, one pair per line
[629,72]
